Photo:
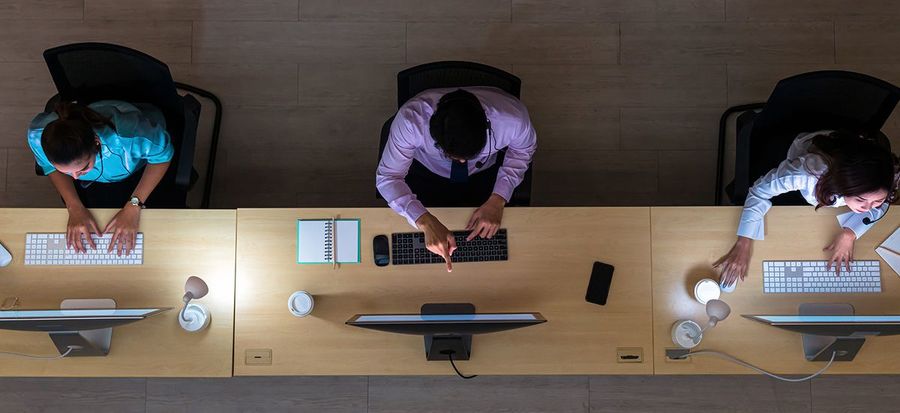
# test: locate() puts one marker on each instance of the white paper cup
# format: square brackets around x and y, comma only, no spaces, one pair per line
[301,303]
[705,290]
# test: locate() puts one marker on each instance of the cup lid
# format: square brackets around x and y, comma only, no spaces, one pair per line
[705,290]
[300,303]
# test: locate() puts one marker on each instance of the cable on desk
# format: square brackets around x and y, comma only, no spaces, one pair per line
[759,370]
[450,355]
[10,353]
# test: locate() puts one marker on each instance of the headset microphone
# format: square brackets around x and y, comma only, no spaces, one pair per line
[490,131]
[869,221]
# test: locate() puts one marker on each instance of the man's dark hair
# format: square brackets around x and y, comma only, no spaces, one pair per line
[459,125]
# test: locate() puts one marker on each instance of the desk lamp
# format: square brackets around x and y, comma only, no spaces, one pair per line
[688,333]
[194,317]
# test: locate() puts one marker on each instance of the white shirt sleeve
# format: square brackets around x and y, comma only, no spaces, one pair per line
[855,221]
[790,175]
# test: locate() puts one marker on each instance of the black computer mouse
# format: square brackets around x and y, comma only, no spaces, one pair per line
[382,250]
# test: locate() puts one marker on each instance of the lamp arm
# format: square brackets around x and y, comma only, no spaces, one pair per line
[712,323]
[187,299]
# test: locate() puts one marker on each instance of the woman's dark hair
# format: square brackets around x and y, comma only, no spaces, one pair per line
[72,137]
[459,125]
[857,164]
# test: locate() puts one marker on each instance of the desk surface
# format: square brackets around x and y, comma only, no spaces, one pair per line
[552,251]
[686,241]
[177,244]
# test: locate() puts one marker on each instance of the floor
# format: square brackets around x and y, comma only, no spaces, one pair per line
[449,394]
[625,96]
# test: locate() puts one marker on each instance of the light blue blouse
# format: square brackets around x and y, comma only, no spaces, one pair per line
[139,138]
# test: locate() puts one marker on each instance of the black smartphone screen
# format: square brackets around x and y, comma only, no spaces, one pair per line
[598,287]
[381,250]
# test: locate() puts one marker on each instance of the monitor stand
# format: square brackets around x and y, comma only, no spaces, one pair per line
[89,343]
[820,348]
[439,346]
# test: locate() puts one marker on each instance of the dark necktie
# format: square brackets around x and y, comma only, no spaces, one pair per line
[459,172]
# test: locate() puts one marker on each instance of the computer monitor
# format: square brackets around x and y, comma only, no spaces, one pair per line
[840,332]
[447,328]
[80,332]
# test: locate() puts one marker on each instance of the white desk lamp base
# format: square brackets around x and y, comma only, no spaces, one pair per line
[683,331]
[195,317]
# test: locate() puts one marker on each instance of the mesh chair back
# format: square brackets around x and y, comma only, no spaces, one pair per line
[88,72]
[414,80]
[815,101]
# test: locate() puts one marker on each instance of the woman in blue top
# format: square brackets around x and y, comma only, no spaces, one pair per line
[101,146]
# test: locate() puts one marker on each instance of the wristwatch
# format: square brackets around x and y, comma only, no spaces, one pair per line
[136,201]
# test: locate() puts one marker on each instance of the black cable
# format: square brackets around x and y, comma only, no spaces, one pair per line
[450,355]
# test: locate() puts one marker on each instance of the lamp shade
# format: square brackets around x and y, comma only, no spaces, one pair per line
[196,287]
[717,309]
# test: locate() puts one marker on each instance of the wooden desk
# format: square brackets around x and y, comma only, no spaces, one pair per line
[552,251]
[177,244]
[686,241]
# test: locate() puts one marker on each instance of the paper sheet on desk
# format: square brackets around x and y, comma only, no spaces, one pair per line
[889,250]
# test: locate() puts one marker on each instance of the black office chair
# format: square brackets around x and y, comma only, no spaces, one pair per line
[89,72]
[807,102]
[447,74]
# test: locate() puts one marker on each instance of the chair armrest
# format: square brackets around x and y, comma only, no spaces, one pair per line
[742,180]
[720,158]
[185,166]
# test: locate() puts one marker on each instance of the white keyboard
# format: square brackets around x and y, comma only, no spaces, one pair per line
[50,249]
[813,277]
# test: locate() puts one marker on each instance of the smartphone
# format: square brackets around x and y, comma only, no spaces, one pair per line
[598,286]
[381,250]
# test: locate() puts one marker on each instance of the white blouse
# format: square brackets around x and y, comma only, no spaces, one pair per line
[799,172]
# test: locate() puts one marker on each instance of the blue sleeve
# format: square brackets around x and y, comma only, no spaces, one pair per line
[35,129]
[156,148]
[146,128]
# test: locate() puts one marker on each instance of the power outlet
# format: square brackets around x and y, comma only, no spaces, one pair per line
[677,355]
[629,355]
[258,357]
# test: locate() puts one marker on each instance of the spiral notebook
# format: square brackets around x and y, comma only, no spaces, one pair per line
[322,241]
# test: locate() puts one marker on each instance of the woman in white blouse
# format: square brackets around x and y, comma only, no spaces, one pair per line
[829,168]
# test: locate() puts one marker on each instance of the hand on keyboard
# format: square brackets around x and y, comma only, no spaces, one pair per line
[734,264]
[485,221]
[124,229]
[841,250]
[81,224]
[438,239]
